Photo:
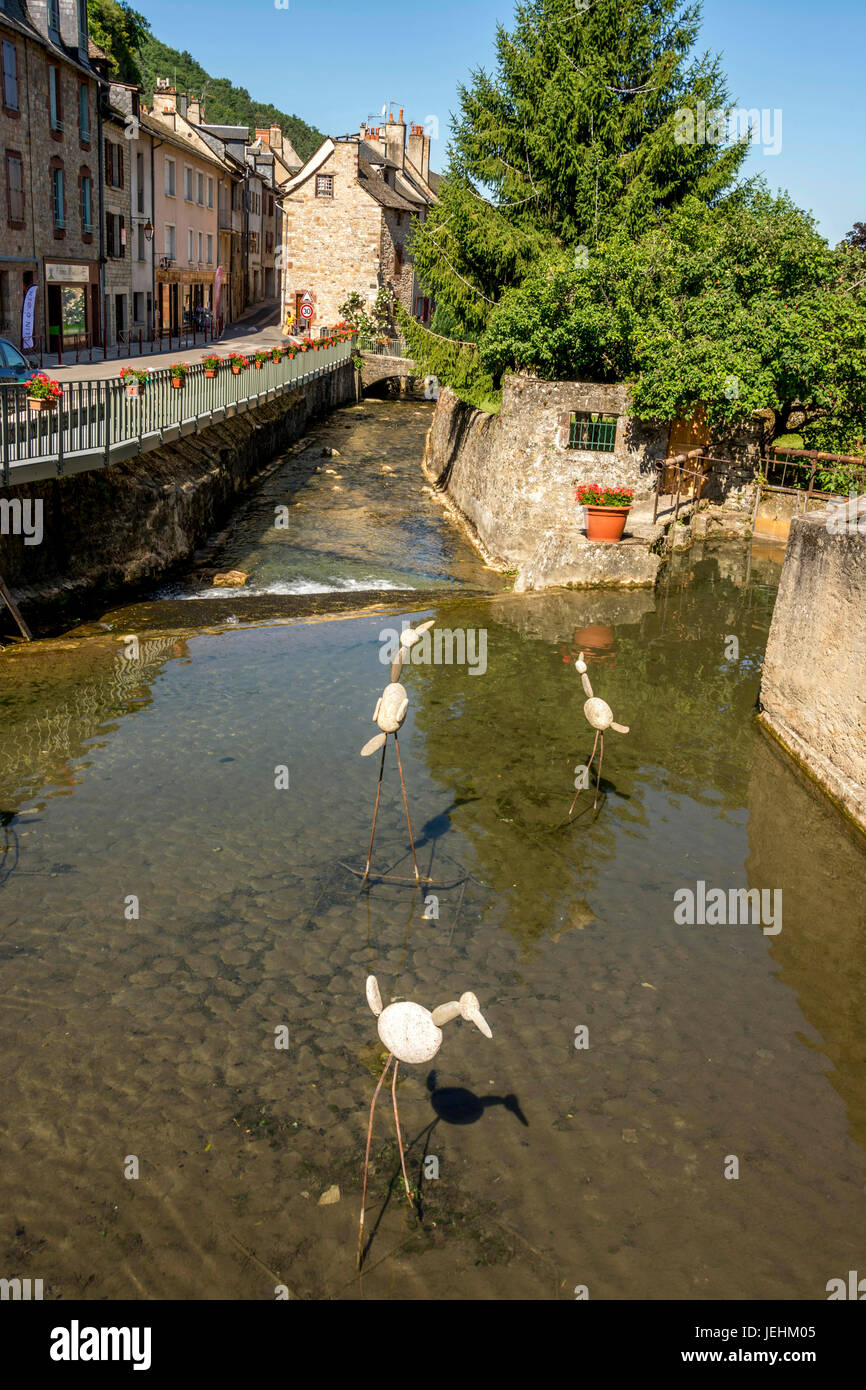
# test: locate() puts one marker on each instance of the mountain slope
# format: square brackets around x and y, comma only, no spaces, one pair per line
[224,103]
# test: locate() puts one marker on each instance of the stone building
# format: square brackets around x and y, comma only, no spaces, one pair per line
[49,189]
[348,216]
[117,222]
[138,263]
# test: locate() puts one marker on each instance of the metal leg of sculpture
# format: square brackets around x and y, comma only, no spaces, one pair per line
[399,1135]
[588,766]
[406,804]
[600,761]
[376,812]
[367,1159]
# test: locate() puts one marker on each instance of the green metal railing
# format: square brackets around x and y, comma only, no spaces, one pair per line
[385,347]
[98,422]
[593,432]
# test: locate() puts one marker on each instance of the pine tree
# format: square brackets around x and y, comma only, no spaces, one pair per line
[573,136]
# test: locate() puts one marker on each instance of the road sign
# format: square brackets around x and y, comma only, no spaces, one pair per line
[308,298]
[306,311]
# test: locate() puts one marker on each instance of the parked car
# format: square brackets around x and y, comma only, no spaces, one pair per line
[14,367]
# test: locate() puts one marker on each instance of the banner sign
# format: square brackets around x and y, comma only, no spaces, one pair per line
[28,313]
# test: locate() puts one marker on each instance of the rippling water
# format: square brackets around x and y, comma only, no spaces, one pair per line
[165,908]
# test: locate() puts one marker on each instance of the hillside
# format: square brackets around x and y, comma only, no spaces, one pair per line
[224,103]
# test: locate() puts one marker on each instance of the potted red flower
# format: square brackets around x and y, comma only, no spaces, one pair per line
[43,392]
[607,510]
[179,373]
[133,379]
[276,354]
[239,363]
[211,364]
[260,358]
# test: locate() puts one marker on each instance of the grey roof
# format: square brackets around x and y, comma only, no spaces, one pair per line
[435,181]
[375,185]
[375,154]
[228,132]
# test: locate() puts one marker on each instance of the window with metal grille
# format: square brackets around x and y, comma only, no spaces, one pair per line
[57,195]
[55,103]
[86,205]
[592,432]
[54,15]
[83,113]
[324,185]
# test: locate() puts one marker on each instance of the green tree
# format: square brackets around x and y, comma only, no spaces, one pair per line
[740,308]
[574,136]
[119,31]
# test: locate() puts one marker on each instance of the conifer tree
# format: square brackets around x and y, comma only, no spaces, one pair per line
[572,137]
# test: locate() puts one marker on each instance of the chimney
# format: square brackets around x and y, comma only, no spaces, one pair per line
[183,104]
[395,140]
[194,112]
[165,98]
[419,151]
[276,139]
[264,138]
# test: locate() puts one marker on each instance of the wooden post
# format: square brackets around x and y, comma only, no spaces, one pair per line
[13,609]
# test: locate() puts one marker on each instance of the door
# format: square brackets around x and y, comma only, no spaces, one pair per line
[690,432]
[54,305]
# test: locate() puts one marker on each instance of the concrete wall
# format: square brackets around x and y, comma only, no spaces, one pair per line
[126,526]
[813,692]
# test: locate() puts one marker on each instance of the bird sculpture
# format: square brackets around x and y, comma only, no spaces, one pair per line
[414,1035]
[390,715]
[600,716]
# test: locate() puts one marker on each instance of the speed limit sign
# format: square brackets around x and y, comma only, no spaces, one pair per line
[306,311]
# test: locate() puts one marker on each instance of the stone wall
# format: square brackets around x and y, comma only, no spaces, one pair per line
[332,245]
[813,693]
[126,526]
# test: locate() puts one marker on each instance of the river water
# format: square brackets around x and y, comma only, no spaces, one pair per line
[171,911]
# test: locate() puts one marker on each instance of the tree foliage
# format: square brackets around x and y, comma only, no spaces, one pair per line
[740,308]
[119,31]
[571,139]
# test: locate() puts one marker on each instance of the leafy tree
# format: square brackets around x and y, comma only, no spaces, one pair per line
[370,322]
[857,236]
[573,137]
[119,31]
[739,309]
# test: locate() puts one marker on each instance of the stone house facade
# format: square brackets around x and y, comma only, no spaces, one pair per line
[117,155]
[49,183]
[348,216]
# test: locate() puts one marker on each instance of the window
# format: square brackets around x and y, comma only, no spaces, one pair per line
[324,186]
[86,204]
[83,114]
[254,243]
[139,182]
[170,179]
[199,189]
[398,260]
[115,235]
[82,24]
[188,184]
[10,76]
[54,15]
[190,245]
[200,248]
[113,164]
[57,199]
[15,189]
[592,431]
[55,106]
[210,250]
[170,248]
[140,250]
[210,193]
[6,323]
[138,306]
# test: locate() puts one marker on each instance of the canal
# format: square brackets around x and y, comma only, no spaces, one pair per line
[665,1110]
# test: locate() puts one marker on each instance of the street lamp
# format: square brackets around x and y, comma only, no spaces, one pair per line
[148,230]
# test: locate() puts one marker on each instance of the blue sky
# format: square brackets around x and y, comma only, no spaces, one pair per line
[335,62]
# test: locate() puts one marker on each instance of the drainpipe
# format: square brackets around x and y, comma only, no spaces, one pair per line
[154,146]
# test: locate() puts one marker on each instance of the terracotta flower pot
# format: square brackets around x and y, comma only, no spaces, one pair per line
[178,382]
[133,389]
[606,523]
[258,366]
[210,371]
[41,403]
[236,371]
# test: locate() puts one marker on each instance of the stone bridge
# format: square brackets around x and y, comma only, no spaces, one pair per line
[380,368]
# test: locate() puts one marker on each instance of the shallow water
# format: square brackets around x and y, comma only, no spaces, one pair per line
[602,1166]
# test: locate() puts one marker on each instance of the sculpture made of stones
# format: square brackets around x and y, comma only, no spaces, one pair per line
[599,716]
[411,1034]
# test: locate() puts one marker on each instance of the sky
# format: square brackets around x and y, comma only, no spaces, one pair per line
[338,62]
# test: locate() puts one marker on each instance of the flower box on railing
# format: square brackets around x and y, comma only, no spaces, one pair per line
[179,373]
[43,392]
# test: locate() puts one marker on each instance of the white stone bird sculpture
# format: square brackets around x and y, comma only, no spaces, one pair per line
[411,1034]
[390,715]
[600,716]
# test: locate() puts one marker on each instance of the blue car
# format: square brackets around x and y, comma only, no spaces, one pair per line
[15,370]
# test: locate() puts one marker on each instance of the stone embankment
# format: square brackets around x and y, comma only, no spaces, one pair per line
[510,479]
[125,527]
[813,695]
